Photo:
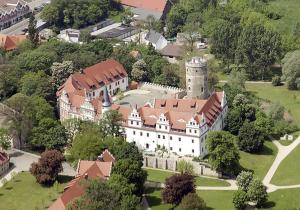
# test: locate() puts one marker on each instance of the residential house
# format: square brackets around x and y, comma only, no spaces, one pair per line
[86,170]
[157,40]
[11,42]
[12,11]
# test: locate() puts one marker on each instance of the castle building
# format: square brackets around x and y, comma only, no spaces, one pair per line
[178,125]
[196,78]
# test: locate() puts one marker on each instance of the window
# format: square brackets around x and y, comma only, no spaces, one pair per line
[170,137]
[159,126]
[163,136]
[109,86]
[179,139]
[158,136]
[147,134]
[137,123]
[133,132]
[202,89]
[179,149]
[189,88]
[131,122]
[195,131]
[192,150]
[171,148]
[141,133]
[122,80]
[189,80]
[166,127]
[192,140]
[93,93]
[147,146]
[190,130]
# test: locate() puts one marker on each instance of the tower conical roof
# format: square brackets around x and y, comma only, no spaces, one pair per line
[106,100]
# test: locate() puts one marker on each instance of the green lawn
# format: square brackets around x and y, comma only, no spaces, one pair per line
[286,199]
[160,176]
[287,98]
[23,193]
[259,163]
[288,172]
[290,11]
[217,200]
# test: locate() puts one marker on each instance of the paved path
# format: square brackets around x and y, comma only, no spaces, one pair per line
[283,152]
[250,82]
[22,161]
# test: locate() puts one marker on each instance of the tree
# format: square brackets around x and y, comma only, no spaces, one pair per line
[48,167]
[111,122]
[139,71]
[224,41]
[244,179]
[258,48]
[125,150]
[276,80]
[5,142]
[257,193]
[49,134]
[85,36]
[176,187]
[191,34]
[97,195]
[36,84]
[276,111]
[33,34]
[60,72]
[133,172]
[175,20]
[240,200]
[223,152]
[237,79]
[185,167]
[169,76]
[9,80]
[81,59]
[250,139]
[152,23]
[127,16]
[291,69]
[191,202]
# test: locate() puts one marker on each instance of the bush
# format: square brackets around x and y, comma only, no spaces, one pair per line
[185,167]
[178,186]
[47,168]
[244,179]
[240,199]
[257,193]
[276,81]
[192,202]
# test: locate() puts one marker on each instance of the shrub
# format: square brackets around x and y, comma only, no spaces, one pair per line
[240,199]
[257,193]
[244,179]
[192,202]
[185,167]
[276,81]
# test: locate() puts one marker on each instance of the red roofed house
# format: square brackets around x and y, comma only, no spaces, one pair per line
[143,8]
[11,42]
[179,125]
[86,170]
[4,162]
[81,95]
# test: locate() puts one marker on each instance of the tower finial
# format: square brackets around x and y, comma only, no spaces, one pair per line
[106,103]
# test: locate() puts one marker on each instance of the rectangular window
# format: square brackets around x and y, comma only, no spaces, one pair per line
[195,131]
[179,149]
[192,150]
[137,123]
[133,132]
[170,137]
[163,136]
[166,127]
[147,134]
[141,133]
[93,93]
[171,148]
[190,130]
[131,122]
[192,140]
[122,80]
[158,136]
[179,139]
[159,126]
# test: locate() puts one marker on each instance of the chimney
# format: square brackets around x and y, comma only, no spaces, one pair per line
[86,176]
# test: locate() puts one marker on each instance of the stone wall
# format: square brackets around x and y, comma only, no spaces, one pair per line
[171,164]
[174,91]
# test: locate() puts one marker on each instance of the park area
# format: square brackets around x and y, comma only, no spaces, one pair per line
[24,193]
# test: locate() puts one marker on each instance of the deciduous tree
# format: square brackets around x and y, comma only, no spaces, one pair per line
[191,202]
[291,69]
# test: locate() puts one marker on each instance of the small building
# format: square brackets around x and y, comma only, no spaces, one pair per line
[86,170]
[144,8]
[69,35]
[157,40]
[4,162]
[172,52]
[11,42]
[12,11]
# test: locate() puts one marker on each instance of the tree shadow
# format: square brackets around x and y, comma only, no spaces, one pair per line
[270,204]
[1,194]
[153,200]
[64,179]
[8,188]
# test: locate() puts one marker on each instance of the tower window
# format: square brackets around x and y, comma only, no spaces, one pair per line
[133,132]
[189,88]
[147,134]
[202,89]
[192,150]
[189,80]
[179,149]
[147,146]
[179,139]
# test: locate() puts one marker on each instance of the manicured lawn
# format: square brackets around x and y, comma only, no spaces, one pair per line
[287,98]
[285,142]
[285,199]
[217,199]
[290,11]
[288,172]
[160,176]
[259,163]
[154,199]
[23,193]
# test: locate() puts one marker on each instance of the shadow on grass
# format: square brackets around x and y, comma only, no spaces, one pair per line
[153,200]
[8,188]
[64,179]
[270,204]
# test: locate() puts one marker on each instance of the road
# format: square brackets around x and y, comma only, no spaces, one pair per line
[17,28]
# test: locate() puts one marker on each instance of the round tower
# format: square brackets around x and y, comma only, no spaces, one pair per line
[196,78]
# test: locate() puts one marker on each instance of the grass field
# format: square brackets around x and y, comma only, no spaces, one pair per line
[23,193]
[286,199]
[290,11]
[288,172]
[154,199]
[160,176]
[259,163]
[287,98]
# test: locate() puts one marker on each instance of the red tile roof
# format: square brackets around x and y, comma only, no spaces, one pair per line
[86,170]
[11,42]
[155,5]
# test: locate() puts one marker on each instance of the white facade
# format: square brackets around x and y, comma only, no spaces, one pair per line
[69,35]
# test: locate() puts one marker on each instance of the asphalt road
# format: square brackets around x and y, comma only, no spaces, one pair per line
[16,29]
